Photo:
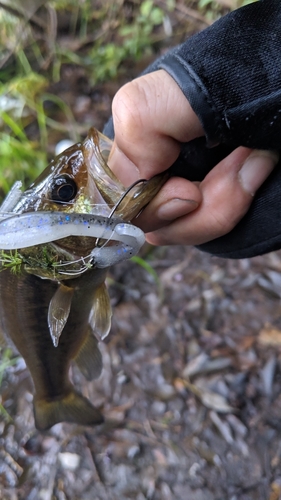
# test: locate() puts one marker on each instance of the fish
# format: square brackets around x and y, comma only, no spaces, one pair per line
[58,239]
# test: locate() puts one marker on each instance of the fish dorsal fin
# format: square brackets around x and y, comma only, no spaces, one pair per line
[100,319]
[89,358]
[59,309]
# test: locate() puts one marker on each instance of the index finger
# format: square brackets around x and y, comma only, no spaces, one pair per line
[151,118]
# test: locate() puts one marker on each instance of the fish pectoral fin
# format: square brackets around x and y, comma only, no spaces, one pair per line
[73,408]
[59,309]
[100,319]
[89,358]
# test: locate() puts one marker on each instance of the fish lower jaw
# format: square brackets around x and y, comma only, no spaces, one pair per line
[69,261]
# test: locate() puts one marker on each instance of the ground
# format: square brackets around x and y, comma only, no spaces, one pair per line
[191,382]
[190,391]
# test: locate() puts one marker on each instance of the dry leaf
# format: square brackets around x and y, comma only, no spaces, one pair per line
[223,427]
[210,399]
[203,364]
[275,491]
[215,402]
[246,342]
[195,365]
[270,336]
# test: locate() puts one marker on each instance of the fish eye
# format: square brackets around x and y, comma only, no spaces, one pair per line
[63,189]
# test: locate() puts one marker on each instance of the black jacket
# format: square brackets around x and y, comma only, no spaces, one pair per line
[231,75]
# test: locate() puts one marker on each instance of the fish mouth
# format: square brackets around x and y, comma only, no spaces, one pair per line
[76,246]
[75,249]
[74,255]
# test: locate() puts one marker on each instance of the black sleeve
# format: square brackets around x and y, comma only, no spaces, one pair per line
[231,75]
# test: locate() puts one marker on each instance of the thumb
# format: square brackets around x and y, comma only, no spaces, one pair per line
[151,118]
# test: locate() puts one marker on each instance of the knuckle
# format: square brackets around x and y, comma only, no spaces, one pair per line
[127,105]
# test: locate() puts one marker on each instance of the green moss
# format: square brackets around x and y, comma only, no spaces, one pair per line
[41,260]
[11,260]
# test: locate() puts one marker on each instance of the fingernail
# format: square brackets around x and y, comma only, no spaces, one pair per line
[124,169]
[175,208]
[256,169]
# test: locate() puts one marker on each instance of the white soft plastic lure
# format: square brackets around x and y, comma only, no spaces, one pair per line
[37,228]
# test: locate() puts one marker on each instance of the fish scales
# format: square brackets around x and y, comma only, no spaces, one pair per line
[54,304]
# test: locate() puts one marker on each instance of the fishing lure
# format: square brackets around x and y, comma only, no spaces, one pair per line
[37,228]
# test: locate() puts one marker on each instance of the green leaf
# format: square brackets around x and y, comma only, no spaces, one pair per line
[204,3]
[156,16]
[146,7]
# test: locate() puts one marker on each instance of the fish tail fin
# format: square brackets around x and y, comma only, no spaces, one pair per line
[72,407]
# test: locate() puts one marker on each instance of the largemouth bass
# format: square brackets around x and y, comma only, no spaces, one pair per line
[57,240]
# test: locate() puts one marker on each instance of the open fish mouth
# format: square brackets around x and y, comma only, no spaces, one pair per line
[19,231]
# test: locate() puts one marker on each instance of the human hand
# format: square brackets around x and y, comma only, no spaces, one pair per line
[152,118]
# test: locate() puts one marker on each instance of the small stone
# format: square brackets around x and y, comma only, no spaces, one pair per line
[69,461]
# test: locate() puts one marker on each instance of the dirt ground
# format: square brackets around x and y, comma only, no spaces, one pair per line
[191,382]
[190,391]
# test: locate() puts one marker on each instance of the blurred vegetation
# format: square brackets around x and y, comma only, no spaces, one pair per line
[102,39]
